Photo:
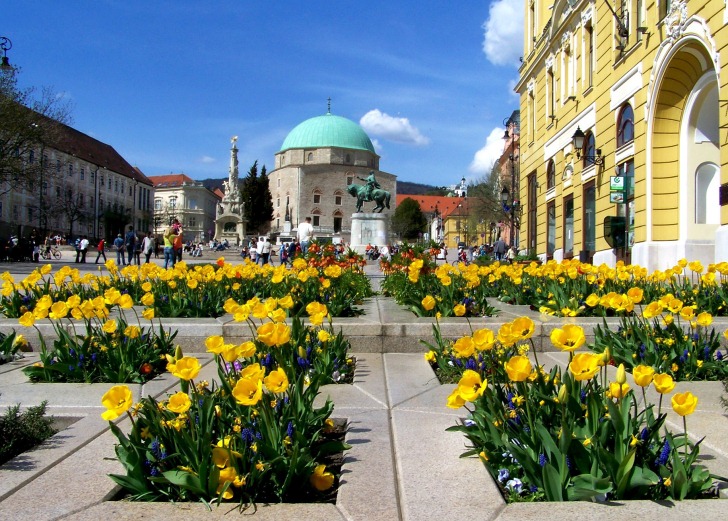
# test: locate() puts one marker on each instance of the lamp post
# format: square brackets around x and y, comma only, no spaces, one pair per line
[577,141]
[5,46]
[511,206]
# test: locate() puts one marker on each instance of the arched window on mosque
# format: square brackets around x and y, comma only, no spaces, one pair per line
[625,125]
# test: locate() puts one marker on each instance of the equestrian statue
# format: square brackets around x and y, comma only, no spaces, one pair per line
[372,191]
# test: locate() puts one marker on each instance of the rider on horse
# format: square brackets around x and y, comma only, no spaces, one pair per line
[372,183]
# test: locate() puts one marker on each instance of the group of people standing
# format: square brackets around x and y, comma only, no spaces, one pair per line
[129,248]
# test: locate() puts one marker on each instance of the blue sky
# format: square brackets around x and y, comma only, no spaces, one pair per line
[167,83]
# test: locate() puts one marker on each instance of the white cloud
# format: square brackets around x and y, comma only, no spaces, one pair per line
[399,130]
[484,158]
[503,42]
[207,160]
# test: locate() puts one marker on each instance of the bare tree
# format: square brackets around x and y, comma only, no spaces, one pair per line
[29,122]
[486,209]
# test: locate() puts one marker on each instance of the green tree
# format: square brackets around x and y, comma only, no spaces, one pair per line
[408,220]
[257,200]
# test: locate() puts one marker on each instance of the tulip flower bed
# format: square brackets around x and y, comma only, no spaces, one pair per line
[253,435]
[199,290]
[568,435]
[668,338]
[91,347]
[418,283]
[568,288]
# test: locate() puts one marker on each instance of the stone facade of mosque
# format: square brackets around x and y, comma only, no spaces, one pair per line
[318,160]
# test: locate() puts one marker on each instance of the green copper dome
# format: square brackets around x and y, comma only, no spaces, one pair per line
[328,131]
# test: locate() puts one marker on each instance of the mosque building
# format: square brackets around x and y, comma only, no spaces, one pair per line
[316,163]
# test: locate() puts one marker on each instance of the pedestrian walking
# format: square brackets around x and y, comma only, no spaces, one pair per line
[305,234]
[84,248]
[130,241]
[499,249]
[148,247]
[100,249]
[264,250]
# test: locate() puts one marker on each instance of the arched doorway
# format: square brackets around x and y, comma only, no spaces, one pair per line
[683,154]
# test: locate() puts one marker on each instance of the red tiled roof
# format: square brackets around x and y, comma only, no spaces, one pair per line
[428,203]
[170,180]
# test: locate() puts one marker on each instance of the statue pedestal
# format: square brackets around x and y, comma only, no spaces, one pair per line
[368,228]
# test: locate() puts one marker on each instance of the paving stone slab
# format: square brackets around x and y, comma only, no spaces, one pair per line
[703,509]
[407,376]
[434,482]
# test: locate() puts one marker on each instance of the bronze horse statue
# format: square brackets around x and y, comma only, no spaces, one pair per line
[381,197]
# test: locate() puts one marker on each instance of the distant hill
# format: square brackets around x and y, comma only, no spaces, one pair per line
[407,188]
[212,184]
[403,187]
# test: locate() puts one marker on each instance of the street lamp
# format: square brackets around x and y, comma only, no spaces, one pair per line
[512,206]
[5,46]
[577,141]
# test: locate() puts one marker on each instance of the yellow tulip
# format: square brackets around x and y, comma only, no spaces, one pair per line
[684,403]
[584,366]
[274,334]
[663,383]
[483,339]
[117,401]
[428,303]
[58,310]
[246,349]
[148,299]
[570,338]
[214,344]
[186,368]
[179,403]
[321,479]
[618,390]
[247,391]
[471,386]
[704,319]
[518,368]
[276,381]
[126,302]
[253,372]
[523,328]
[27,320]
[459,310]
[464,347]
[455,400]
[110,326]
[643,375]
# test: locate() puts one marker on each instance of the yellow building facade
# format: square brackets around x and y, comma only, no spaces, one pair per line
[639,81]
